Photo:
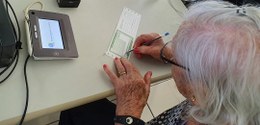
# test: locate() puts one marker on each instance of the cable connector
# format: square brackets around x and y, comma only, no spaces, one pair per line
[18,45]
[29,7]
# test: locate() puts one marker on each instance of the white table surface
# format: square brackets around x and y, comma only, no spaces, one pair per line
[59,85]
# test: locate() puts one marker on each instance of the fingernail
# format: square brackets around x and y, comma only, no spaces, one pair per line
[116,58]
[151,73]
[105,66]
[136,51]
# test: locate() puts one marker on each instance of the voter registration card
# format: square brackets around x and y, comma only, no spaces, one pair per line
[124,34]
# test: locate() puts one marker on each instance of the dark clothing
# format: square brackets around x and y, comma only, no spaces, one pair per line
[102,112]
[177,115]
[242,2]
[187,3]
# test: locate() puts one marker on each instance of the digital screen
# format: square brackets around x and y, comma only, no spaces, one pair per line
[50,31]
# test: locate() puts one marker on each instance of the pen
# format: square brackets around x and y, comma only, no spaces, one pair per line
[150,42]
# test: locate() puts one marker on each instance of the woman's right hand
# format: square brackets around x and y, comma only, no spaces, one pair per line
[151,50]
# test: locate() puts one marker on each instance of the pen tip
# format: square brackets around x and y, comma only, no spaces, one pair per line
[166,34]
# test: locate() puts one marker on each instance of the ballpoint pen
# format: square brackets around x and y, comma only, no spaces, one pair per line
[150,42]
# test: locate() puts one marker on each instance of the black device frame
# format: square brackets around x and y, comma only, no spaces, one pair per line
[68,3]
[70,49]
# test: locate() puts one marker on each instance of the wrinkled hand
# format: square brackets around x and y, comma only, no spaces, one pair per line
[151,50]
[131,89]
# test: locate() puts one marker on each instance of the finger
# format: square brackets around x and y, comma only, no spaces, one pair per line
[137,53]
[144,38]
[146,50]
[110,74]
[139,41]
[119,66]
[128,65]
[139,56]
[147,77]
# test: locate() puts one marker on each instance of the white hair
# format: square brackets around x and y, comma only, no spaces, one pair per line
[220,44]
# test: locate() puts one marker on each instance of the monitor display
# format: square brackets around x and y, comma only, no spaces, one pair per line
[51,36]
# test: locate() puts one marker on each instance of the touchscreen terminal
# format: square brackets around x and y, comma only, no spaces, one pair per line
[51,36]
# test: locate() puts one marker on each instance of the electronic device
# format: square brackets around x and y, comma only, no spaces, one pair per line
[50,36]
[7,37]
[68,3]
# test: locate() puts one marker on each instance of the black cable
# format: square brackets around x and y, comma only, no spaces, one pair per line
[7,10]
[17,58]
[16,20]
[27,90]
[8,66]
[150,110]
[53,122]
[18,33]
[6,7]
[18,38]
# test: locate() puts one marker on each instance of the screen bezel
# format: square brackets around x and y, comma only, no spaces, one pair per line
[69,51]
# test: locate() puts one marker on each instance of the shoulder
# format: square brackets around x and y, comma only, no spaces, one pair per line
[175,115]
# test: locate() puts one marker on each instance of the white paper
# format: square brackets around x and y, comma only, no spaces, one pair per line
[124,34]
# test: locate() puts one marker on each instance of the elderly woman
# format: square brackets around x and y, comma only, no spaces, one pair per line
[215,59]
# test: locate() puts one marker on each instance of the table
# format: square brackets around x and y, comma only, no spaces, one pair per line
[62,84]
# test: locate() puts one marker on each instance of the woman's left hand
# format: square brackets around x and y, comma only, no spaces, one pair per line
[131,89]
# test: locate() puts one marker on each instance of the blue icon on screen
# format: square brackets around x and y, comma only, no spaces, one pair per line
[51,45]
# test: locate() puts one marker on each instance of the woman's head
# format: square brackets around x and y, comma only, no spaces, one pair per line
[220,44]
